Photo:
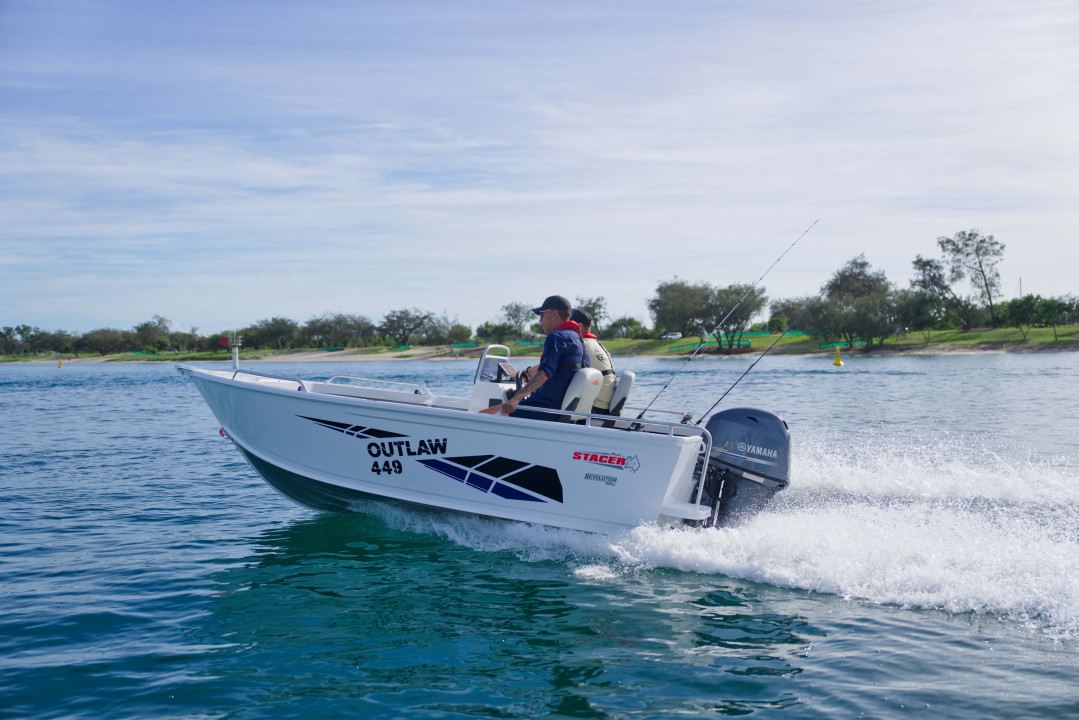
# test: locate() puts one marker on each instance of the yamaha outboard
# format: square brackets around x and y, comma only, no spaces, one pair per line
[750,462]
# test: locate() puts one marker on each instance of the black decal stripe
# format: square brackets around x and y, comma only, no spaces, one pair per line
[373,432]
[348,428]
[500,466]
[470,461]
[540,480]
[333,425]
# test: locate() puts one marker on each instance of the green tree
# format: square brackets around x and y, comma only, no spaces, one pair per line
[103,341]
[627,327]
[337,330]
[930,276]
[919,311]
[153,334]
[185,341]
[496,332]
[59,341]
[277,332]
[400,325]
[317,331]
[9,341]
[975,257]
[679,305]
[1022,313]
[874,317]
[21,338]
[519,315]
[784,313]
[726,299]
[442,330]
[1072,302]
[860,304]
[1054,311]
[596,307]
[459,333]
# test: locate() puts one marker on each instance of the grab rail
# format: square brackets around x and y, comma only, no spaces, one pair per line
[302,383]
[421,388]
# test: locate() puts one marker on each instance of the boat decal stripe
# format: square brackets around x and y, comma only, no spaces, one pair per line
[511,493]
[540,480]
[353,430]
[470,461]
[481,472]
[500,467]
[445,468]
[373,432]
[480,482]
[332,424]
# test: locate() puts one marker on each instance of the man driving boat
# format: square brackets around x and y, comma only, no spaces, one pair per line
[563,354]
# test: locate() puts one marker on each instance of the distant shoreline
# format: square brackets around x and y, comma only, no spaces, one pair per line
[426,353]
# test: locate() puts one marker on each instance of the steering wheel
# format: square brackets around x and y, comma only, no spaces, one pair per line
[520,381]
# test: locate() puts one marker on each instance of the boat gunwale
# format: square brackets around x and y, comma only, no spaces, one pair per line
[695,431]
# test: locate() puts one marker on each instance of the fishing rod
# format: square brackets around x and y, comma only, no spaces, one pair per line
[768,350]
[726,318]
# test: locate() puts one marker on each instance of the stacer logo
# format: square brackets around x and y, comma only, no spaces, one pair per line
[608,460]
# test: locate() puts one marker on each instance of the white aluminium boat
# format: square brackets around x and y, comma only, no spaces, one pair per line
[327,444]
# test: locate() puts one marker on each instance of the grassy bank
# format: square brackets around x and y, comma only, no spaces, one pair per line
[999,339]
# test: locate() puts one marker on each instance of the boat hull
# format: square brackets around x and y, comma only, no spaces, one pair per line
[327,452]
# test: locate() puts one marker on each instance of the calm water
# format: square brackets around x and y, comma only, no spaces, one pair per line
[924,563]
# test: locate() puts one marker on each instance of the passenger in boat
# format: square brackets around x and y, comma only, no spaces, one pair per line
[563,354]
[599,359]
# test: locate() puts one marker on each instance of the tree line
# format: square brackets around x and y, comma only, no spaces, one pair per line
[156,335]
[958,290]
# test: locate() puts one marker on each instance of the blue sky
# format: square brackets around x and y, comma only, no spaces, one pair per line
[222,162]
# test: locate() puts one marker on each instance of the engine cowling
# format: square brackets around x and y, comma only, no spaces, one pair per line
[749,463]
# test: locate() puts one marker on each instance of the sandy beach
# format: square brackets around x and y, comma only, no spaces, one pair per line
[424,353]
[350,355]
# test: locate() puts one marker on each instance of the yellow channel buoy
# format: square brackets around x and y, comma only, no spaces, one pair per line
[838,361]
[61,363]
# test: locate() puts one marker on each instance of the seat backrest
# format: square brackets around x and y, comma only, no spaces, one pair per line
[582,390]
[621,391]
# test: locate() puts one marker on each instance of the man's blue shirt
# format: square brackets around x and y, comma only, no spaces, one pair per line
[562,349]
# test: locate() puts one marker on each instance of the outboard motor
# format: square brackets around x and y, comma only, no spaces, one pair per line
[750,462]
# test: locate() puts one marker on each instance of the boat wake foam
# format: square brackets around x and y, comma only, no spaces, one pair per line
[970,535]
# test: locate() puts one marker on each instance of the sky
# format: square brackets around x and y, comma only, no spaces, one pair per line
[219,163]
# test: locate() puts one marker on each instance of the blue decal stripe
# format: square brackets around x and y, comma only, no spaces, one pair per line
[512,493]
[479,481]
[445,468]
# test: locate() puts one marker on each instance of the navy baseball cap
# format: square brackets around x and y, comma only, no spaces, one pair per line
[582,317]
[555,302]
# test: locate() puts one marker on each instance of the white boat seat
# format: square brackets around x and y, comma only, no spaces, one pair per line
[582,390]
[621,391]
